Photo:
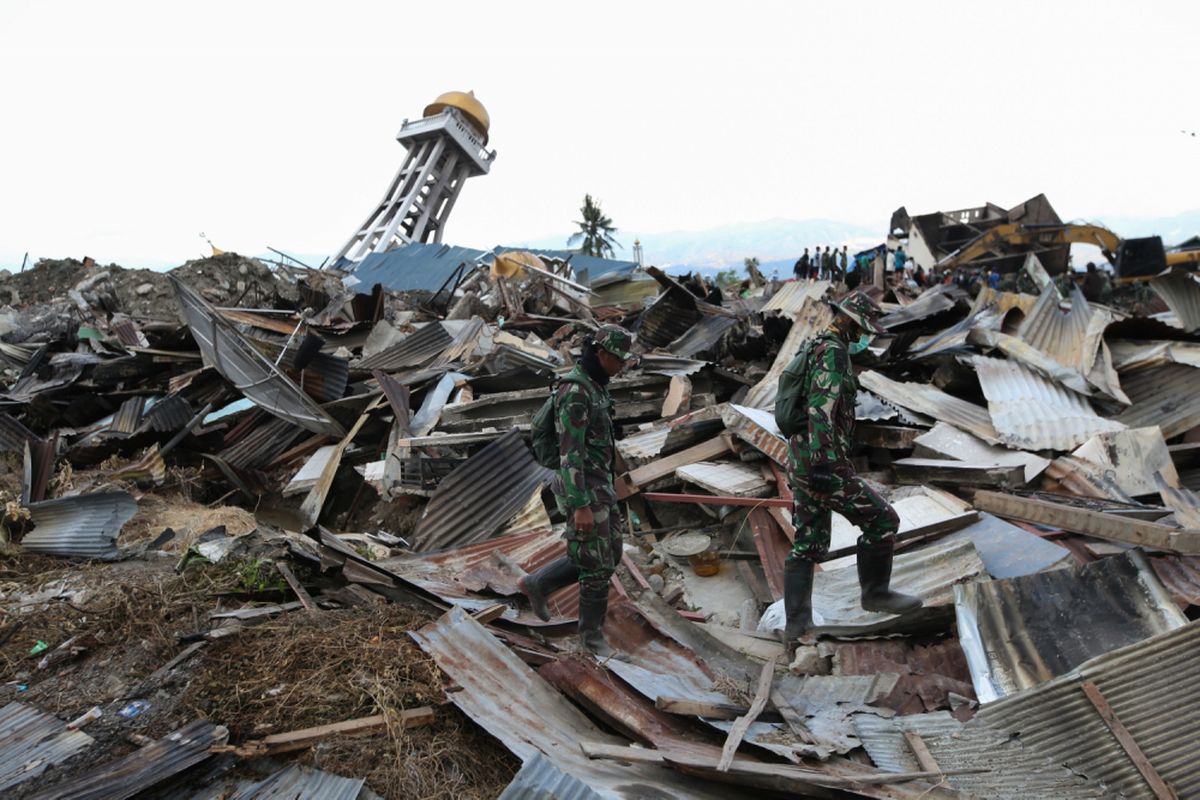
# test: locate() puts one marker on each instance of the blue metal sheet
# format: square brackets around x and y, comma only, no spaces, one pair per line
[415,266]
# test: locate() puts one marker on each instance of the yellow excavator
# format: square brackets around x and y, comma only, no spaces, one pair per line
[1132,259]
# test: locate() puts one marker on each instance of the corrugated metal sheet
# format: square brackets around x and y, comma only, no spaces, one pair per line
[481,495]
[793,295]
[1016,635]
[581,263]
[927,674]
[1031,412]
[416,266]
[298,782]
[128,416]
[261,443]
[1003,301]
[413,350]
[1181,292]
[637,448]
[1118,466]
[668,365]
[169,413]
[1013,772]
[1181,576]
[1128,355]
[247,369]
[145,767]
[31,740]
[1151,687]
[703,335]
[12,434]
[925,399]
[83,526]
[1036,360]
[757,428]
[946,440]
[726,478]
[932,301]
[1168,397]
[812,318]
[516,705]
[1074,339]
[667,318]
[539,778]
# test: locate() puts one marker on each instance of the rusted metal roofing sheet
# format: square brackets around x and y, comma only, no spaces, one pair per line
[145,767]
[31,740]
[1118,466]
[927,673]
[1181,576]
[480,575]
[297,782]
[539,778]
[261,443]
[931,401]
[668,317]
[1014,772]
[247,369]
[812,318]
[516,705]
[793,295]
[83,526]
[481,495]
[757,427]
[1031,412]
[1151,688]
[1181,292]
[169,413]
[1168,397]
[1020,632]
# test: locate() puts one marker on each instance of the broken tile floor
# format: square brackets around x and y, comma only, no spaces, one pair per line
[264,534]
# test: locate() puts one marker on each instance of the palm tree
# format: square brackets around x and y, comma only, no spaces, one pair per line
[595,230]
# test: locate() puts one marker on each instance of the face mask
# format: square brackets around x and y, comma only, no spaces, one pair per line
[860,345]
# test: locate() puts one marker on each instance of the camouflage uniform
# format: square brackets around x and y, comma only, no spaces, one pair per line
[586,446]
[831,389]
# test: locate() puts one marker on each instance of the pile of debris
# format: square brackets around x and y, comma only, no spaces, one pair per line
[343,483]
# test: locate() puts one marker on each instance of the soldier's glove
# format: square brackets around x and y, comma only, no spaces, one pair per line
[820,480]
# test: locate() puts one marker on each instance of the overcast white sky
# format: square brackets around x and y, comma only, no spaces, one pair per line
[128,128]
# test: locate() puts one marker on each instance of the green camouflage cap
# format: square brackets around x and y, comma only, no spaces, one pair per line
[863,310]
[615,340]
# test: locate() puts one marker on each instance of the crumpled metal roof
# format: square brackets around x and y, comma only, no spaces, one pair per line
[1181,292]
[483,493]
[1128,354]
[539,778]
[757,428]
[812,318]
[793,295]
[1031,412]
[925,399]
[416,266]
[1018,632]
[726,478]
[516,705]
[1168,397]
[296,782]
[31,740]
[240,363]
[931,302]
[703,335]
[1074,339]
[83,526]
[1151,687]
[413,350]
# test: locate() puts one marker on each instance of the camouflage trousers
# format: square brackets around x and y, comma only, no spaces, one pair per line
[853,499]
[595,554]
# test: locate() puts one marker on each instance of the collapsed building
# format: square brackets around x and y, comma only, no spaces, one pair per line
[357,438]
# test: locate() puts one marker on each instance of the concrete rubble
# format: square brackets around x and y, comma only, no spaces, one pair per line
[354,441]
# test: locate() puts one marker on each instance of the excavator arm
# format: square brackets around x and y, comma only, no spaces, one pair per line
[1014,234]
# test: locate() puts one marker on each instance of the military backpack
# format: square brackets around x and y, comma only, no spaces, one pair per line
[791,401]
[543,433]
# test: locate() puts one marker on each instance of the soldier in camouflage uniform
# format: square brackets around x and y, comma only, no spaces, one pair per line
[583,487]
[822,476]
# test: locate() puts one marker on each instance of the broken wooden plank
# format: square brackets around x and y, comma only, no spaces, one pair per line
[301,593]
[687,707]
[490,614]
[948,525]
[632,481]
[921,751]
[888,437]
[1092,523]
[307,737]
[957,473]
[310,509]
[738,731]
[1132,749]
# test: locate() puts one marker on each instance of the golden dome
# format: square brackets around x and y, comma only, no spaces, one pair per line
[465,102]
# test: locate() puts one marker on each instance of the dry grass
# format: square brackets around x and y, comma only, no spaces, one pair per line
[187,518]
[308,669]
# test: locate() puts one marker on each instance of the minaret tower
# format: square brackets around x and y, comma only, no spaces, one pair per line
[445,147]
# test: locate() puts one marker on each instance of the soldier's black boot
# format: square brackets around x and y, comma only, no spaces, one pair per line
[544,581]
[593,608]
[874,575]
[797,601]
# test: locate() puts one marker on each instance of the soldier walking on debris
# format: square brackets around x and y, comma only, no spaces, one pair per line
[583,486]
[815,408]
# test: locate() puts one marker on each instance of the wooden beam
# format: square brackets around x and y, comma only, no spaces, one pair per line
[632,481]
[696,708]
[957,473]
[948,525]
[1157,785]
[738,731]
[1092,523]
[921,751]
[307,737]
[301,593]
[490,614]
[889,437]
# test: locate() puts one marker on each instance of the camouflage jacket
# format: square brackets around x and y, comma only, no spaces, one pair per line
[831,390]
[585,443]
